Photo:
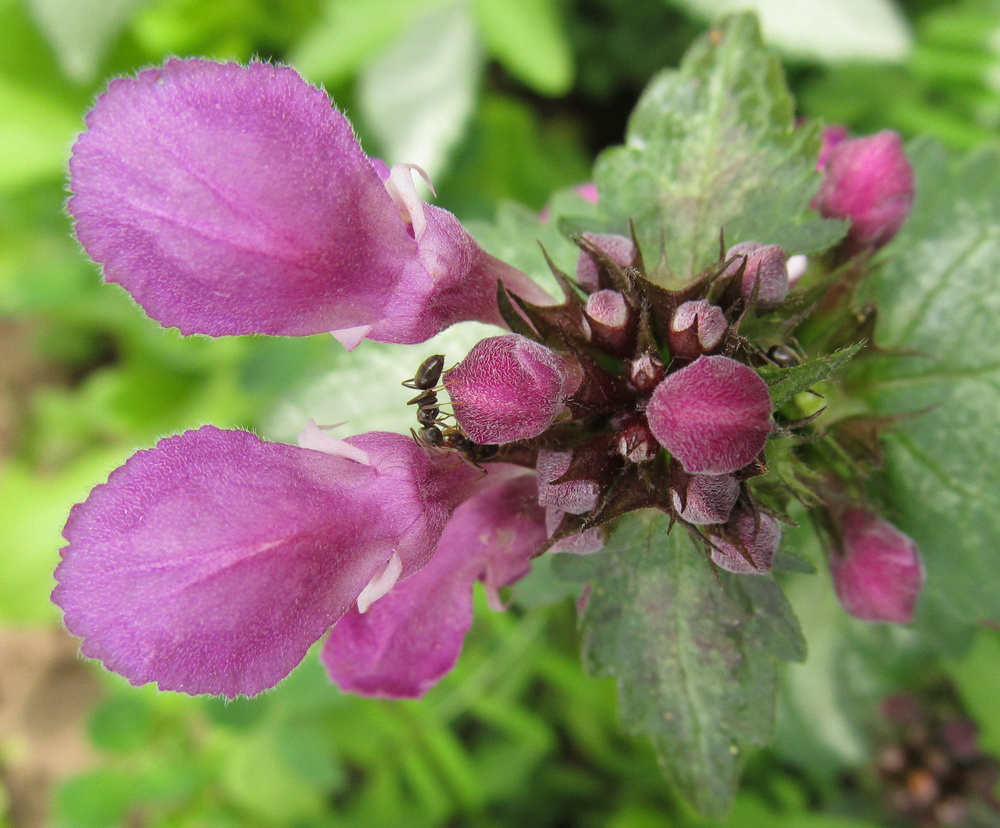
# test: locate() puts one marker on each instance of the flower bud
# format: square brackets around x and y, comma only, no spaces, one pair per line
[645,372]
[617,248]
[767,265]
[696,328]
[508,388]
[612,321]
[870,182]
[636,442]
[713,415]
[759,535]
[574,496]
[708,498]
[878,573]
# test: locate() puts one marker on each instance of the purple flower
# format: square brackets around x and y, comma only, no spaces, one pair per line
[877,571]
[410,638]
[232,200]
[235,200]
[212,562]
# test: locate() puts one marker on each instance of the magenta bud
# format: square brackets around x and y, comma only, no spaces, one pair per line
[868,181]
[636,442]
[508,388]
[612,321]
[766,271]
[708,498]
[696,328]
[619,249]
[713,415]
[878,573]
[574,496]
[759,535]
[645,372]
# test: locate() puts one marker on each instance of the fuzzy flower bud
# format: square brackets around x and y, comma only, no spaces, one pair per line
[618,248]
[870,182]
[645,372]
[708,498]
[612,321]
[713,415]
[574,496]
[696,328]
[759,535]
[508,388]
[878,573]
[636,442]
[767,265]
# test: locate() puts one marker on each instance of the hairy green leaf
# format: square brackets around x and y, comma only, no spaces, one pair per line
[937,295]
[693,652]
[713,146]
[785,383]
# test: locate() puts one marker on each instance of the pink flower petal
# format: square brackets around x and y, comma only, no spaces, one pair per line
[210,563]
[232,200]
[411,637]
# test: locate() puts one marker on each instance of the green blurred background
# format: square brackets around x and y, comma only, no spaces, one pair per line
[500,100]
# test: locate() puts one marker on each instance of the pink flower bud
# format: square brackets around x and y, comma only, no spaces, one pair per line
[612,321]
[878,573]
[759,535]
[636,442]
[696,328]
[508,388]
[574,496]
[870,182]
[713,415]
[618,248]
[766,264]
[645,372]
[708,499]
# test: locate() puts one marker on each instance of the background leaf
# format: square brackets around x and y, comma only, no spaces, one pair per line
[80,30]
[693,654]
[417,95]
[834,30]
[938,295]
[713,146]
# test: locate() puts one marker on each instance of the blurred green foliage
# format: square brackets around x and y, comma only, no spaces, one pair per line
[517,735]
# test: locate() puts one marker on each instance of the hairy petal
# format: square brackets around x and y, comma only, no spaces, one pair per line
[411,637]
[210,563]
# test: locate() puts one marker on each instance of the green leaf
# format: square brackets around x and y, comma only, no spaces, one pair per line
[937,295]
[785,383]
[713,146]
[693,654]
[832,30]
[350,33]
[529,39]
[80,30]
[418,94]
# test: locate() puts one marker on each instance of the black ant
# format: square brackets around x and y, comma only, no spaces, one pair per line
[427,375]
[433,432]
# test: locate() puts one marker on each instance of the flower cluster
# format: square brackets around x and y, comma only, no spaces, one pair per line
[232,200]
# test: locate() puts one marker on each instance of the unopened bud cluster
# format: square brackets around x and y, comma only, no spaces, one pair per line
[631,394]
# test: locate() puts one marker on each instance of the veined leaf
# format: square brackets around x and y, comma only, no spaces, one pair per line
[693,654]
[713,146]
[785,383]
[937,295]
